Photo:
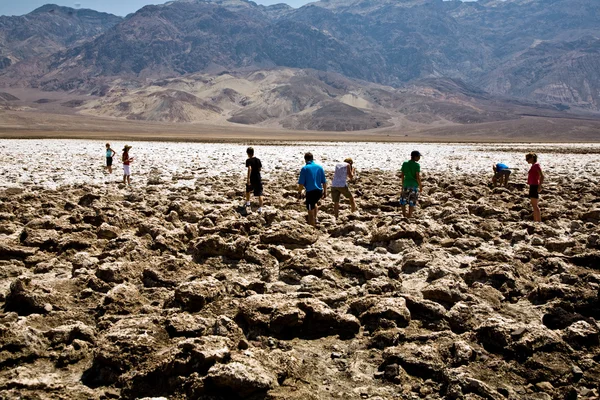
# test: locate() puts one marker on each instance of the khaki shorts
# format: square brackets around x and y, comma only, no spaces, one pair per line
[336,191]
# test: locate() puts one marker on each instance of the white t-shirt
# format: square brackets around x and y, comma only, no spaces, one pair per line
[340,175]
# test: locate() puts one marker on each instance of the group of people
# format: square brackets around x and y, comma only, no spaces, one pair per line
[110,153]
[535,179]
[312,183]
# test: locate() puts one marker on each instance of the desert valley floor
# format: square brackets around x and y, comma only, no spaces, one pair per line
[169,288]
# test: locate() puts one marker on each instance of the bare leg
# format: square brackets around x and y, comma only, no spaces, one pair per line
[124,178]
[404,211]
[537,215]
[410,211]
[506,180]
[316,210]
[260,201]
[247,197]
[336,209]
[129,180]
[311,217]
[110,170]
[352,204]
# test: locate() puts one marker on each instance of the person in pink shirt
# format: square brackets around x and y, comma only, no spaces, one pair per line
[535,179]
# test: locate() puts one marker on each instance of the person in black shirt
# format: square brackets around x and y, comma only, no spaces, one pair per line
[254,181]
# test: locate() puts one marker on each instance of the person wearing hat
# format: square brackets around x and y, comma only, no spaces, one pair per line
[411,183]
[126,162]
[339,185]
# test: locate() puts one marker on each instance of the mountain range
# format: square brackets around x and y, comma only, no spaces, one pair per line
[329,65]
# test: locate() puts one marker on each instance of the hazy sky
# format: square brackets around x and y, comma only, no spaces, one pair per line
[118,7]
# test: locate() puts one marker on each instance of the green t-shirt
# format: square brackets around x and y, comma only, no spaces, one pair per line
[410,169]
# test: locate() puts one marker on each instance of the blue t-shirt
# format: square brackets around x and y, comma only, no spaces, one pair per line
[108,154]
[501,167]
[312,176]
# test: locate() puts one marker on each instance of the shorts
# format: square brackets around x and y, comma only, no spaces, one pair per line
[312,198]
[126,170]
[506,172]
[109,161]
[533,192]
[337,191]
[410,196]
[256,187]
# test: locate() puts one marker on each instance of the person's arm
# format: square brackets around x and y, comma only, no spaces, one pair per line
[419,181]
[113,152]
[350,172]
[324,189]
[301,182]
[300,189]
[402,178]
[541,181]
[249,172]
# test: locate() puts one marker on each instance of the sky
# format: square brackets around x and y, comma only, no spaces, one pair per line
[117,7]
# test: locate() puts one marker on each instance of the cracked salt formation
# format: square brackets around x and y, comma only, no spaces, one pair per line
[170,288]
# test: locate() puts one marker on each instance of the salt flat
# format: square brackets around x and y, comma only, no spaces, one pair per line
[55,162]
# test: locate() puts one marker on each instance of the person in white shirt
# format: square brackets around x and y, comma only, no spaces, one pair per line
[344,172]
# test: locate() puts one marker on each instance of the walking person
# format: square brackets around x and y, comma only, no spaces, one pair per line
[312,178]
[501,174]
[109,158]
[535,179]
[339,185]
[126,165]
[254,180]
[411,183]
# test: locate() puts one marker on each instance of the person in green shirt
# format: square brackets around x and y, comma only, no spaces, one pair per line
[411,183]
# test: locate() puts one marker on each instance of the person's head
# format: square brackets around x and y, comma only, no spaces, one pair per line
[250,152]
[126,148]
[348,161]
[108,145]
[531,158]
[308,157]
[415,155]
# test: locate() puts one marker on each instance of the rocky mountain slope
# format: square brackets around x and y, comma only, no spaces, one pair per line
[47,30]
[303,100]
[543,51]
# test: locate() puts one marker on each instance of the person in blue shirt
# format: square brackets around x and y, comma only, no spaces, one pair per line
[501,174]
[312,179]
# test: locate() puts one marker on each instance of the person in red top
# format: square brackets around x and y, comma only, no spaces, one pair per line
[535,179]
[126,162]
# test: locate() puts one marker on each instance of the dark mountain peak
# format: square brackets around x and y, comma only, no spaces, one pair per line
[54,9]
[47,30]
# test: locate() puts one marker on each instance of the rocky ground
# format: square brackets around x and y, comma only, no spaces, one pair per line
[171,289]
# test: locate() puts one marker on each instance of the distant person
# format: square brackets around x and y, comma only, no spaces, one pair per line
[126,163]
[312,178]
[254,180]
[411,183]
[343,172]
[501,174]
[109,158]
[535,179]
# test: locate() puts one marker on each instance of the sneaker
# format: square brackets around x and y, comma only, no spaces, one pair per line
[259,209]
[247,204]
